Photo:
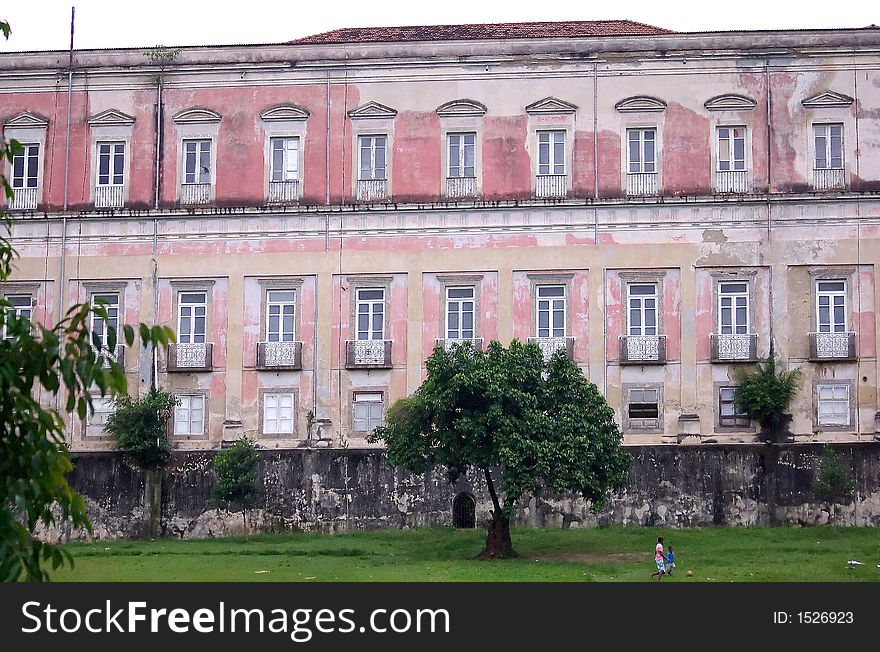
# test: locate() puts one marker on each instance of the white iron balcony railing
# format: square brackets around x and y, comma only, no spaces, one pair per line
[829,179]
[550,345]
[449,344]
[642,349]
[731,181]
[25,199]
[372,189]
[195,193]
[109,196]
[279,355]
[641,183]
[734,347]
[368,354]
[190,356]
[283,192]
[832,346]
[457,187]
[551,185]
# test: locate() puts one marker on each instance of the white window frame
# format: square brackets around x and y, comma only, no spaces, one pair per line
[197,176]
[372,308]
[372,141]
[737,419]
[836,396]
[459,140]
[823,131]
[455,305]
[279,413]
[733,164]
[735,327]
[642,163]
[290,158]
[551,147]
[187,406]
[102,408]
[99,325]
[19,310]
[115,167]
[832,326]
[29,151]
[640,329]
[191,335]
[282,306]
[549,303]
[367,411]
[644,423]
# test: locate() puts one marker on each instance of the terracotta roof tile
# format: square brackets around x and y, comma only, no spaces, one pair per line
[569,29]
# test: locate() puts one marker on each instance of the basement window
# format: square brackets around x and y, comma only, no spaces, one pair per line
[644,408]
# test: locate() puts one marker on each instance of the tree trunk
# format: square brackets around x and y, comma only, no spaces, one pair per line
[498,543]
[153,503]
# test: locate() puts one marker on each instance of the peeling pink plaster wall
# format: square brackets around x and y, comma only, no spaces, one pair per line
[415,166]
[755,86]
[686,157]
[672,313]
[863,313]
[431,326]
[610,164]
[399,308]
[787,134]
[704,321]
[583,165]
[523,318]
[507,168]
[614,297]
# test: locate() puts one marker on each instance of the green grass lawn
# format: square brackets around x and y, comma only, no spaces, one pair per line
[444,554]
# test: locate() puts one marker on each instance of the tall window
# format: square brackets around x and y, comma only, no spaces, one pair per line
[641,151]
[461,155]
[280,315]
[189,415]
[552,307]
[832,404]
[729,413]
[829,146]
[100,328]
[25,167]
[371,314]
[367,411]
[285,159]
[278,413]
[192,311]
[459,313]
[642,309]
[197,161]
[111,164]
[373,161]
[643,408]
[20,307]
[731,148]
[551,152]
[733,308]
[831,306]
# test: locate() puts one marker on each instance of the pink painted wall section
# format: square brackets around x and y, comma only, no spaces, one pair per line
[610,170]
[685,152]
[431,313]
[507,168]
[755,86]
[488,291]
[705,316]
[864,316]
[415,159]
[672,313]
[343,98]
[787,134]
[399,323]
[583,165]
[614,298]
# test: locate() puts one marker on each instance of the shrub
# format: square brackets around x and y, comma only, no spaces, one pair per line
[140,426]
[237,478]
[766,392]
[832,477]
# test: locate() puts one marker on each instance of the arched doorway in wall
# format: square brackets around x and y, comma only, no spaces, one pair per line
[464,511]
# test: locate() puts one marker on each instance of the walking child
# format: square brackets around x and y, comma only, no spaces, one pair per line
[670,561]
[658,558]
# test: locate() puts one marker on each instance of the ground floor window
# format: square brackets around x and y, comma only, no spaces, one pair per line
[368,411]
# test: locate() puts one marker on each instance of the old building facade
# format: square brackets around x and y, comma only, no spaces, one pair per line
[312,218]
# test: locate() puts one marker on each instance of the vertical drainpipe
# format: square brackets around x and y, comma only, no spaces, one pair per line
[154,369]
[596,226]
[769,101]
[61,290]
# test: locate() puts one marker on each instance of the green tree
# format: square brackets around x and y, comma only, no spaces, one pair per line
[527,426]
[765,394]
[140,426]
[832,479]
[63,361]
[238,482]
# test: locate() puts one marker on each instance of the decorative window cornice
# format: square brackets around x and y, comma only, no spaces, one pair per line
[827,99]
[284,112]
[459,278]
[196,116]
[461,108]
[642,276]
[551,106]
[111,118]
[372,110]
[730,102]
[644,103]
[280,282]
[26,120]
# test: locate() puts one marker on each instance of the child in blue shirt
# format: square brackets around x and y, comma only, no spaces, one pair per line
[670,561]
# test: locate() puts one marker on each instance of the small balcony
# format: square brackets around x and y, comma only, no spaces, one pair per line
[641,183]
[372,189]
[642,349]
[550,345]
[190,357]
[283,192]
[279,356]
[731,181]
[549,186]
[117,356]
[109,196]
[829,347]
[734,347]
[368,354]
[25,199]
[829,179]
[449,344]
[458,187]
[195,193]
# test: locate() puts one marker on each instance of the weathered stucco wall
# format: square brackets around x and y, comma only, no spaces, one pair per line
[334,490]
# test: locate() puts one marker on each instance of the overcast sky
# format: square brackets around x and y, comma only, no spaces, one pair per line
[45,24]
